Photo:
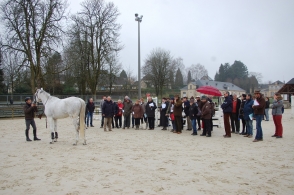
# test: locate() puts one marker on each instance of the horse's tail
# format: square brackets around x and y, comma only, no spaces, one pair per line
[82,119]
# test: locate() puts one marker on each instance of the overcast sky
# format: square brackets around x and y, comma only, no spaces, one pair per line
[260,33]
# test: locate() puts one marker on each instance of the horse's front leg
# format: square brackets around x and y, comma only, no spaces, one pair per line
[55,129]
[76,125]
[51,124]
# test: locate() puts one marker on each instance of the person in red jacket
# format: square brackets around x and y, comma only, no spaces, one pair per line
[118,116]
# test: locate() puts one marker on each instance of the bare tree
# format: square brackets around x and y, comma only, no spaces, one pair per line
[157,67]
[98,31]
[197,71]
[114,68]
[257,75]
[33,28]
[12,62]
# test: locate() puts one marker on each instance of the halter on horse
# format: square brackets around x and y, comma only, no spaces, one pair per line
[55,108]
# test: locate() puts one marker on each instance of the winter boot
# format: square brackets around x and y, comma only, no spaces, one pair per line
[35,136]
[27,136]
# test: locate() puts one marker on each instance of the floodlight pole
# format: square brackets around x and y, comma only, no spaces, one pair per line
[139,19]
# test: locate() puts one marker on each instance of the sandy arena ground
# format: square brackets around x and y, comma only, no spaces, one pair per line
[144,162]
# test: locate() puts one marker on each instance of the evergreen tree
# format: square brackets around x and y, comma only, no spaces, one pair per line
[123,74]
[189,77]
[179,81]
[172,79]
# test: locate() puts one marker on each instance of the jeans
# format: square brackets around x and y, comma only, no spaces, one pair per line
[194,126]
[249,127]
[266,114]
[259,134]
[90,116]
[227,124]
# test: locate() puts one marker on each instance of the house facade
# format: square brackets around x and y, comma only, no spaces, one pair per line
[191,88]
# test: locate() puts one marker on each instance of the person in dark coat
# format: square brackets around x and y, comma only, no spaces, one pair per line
[164,113]
[199,113]
[227,110]
[248,115]
[90,108]
[241,114]
[178,109]
[186,111]
[235,122]
[29,111]
[108,113]
[193,111]
[150,112]
[206,116]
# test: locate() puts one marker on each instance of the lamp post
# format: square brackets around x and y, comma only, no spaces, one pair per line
[139,19]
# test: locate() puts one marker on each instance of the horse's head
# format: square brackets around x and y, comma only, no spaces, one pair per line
[37,95]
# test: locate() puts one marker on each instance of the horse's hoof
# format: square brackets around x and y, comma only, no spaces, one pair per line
[51,142]
[55,140]
[84,143]
[74,144]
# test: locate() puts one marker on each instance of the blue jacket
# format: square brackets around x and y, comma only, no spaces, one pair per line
[227,106]
[248,109]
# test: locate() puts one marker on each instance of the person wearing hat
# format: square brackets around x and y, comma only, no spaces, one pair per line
[227,110]
[241,114]
[193,111]
[258,107]
[206,116]
[29,111]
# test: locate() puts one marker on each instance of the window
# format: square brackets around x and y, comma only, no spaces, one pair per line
[190,86]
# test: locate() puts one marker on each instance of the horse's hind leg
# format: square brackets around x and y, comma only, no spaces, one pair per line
[51,124]
[55,130]
[76,125]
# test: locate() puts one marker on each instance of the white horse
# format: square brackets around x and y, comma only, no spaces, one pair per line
[55,108]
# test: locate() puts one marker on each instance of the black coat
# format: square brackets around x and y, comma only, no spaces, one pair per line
[186,107]
[108,109]
[227,105]
[150,110]
[90,107]
[193,111]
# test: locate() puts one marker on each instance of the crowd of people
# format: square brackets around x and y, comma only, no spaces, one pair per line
[197,112]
